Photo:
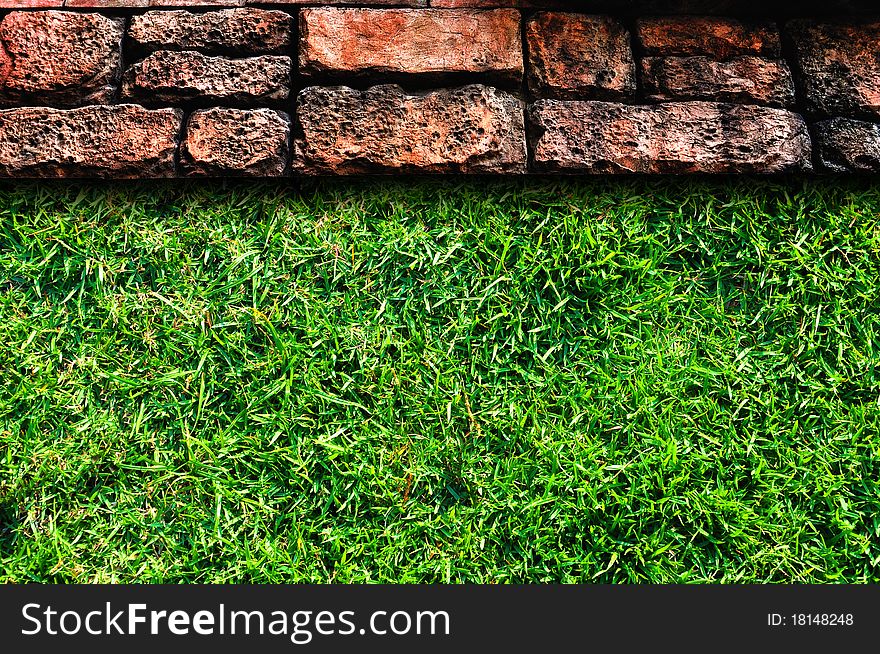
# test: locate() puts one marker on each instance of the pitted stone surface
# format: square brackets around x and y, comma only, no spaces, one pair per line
[612,86]
[745,79]
[719,38]
[410,42]
[847,145]
[242,31]
[684,137]
[59,58]
[415,4]
[97,141]
[576,56]
[473,129]
[169,77]
[838,67]
[233,142]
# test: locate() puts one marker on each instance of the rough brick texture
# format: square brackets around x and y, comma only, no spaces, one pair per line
[473,129]
[118,141]
[359,42]
[267,88]
[169,77]
[575,56]
[250,31]
[744,79]
[838,67]
[848,145]
[687,137]
[720,38]
[58,58]
[233,142]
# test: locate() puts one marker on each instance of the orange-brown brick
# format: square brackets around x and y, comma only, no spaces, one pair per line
[471,129]
[578,56]
[58,58]
[680,137]
[719,38]
[408,42]
[95,141]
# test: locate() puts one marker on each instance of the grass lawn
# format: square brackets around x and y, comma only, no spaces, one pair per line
[418,381]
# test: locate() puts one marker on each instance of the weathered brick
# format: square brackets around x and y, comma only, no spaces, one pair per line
[474,4]
[343,3]
[239,31]
[471,129]
[196,3]
[720,38]
[743,79]
[848,145]
[838,67]
[167,77]
[106,4]
[430,42]
[684,137]
[58,58]
[577,56]
[94,141]
[31,4]
[236,142]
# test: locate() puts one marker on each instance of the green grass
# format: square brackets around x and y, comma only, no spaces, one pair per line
[594,381]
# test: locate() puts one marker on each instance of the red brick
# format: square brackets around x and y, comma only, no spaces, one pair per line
[59,58]
[474,4]
[684,137]
[236,142]
[838,67]
[242,31]
[577,56]
[170,77]
[343,3]
[410,42]
[720,38]
[472,129]
[196,3]
[31,4]
[95,141]
[106,4]
[744,79]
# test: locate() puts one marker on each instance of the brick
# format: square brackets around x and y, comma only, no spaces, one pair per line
[343,3]
[719,38]
[166,77]
[577,56]
[847,145]
[59,58]
[630,6]
[96,141]
[31,4]
[471,129]
[838,67]
[685,137]
[744,79]
[239,31]
[475,4]
[236,142]
[196,3]
[431,42]
[106,4]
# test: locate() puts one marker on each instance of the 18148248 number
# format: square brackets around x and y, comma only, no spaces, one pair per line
[811,620]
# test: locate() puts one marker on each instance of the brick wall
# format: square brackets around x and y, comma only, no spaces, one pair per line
[176,88]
